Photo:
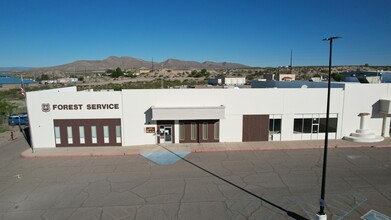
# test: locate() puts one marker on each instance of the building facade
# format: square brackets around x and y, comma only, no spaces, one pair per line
[67,118]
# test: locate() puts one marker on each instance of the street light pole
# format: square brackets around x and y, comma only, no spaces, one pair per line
[321,215]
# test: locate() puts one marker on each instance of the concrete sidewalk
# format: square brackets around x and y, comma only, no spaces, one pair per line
[203,147]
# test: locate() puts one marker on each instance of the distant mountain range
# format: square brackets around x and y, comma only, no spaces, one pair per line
[126,62]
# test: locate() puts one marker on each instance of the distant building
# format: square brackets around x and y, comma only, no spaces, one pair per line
[295,84]
[374,76]
[228,81]
[143,70]
[280,77]
[67,80]
[9,82]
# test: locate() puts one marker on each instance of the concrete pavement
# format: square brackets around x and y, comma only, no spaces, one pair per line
[285,183]
[202,147]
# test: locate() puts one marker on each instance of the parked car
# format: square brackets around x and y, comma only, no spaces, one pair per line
[18,119]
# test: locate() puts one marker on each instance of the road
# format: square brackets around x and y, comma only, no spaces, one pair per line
[226,185]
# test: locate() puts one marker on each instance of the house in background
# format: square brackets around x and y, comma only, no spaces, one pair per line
[373,76]
[228,81]
[280,77]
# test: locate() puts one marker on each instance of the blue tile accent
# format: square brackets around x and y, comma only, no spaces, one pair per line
[165,158]
[375,215]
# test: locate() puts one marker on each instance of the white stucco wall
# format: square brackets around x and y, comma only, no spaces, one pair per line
[135,113]
[41,123]
[286,102]
[359,98]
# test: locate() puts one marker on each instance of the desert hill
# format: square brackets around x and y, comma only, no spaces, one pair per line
[126,62]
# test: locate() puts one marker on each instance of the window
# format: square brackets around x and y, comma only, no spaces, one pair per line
[275,125]
[106,134]
[118,133]
[205,131]
[181,131]
[81,134]
[70,136]
[314,124]
[57,135]
[93,135]
[193,131]
[302,125]
[216,128]
[332,125]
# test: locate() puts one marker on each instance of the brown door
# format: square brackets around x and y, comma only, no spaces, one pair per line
[255,128]
[73,125]
[198,131]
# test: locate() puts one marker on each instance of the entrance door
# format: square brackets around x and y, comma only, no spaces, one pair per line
[315,128]
[167,134]
[199,131]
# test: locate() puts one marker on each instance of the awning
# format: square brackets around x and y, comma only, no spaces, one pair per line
[188,113]
[385,106]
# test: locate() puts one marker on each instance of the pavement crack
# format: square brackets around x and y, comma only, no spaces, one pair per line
[83,190]
[101,213]
[283,182]
[180,200]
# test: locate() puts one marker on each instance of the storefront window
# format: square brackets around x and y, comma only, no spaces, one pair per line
[118,133]
[314,125]
[193,130]
[205,131]
[57,134]
[81,134]
[93,135]
[181,131]
[275,125]
[70,136]
[332,125]
[216,128]
[106,134]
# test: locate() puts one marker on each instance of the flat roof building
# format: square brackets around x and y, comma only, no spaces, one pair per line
[67,118]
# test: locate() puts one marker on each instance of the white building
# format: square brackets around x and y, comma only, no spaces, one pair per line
[228,81]
[64,118]
[280,77]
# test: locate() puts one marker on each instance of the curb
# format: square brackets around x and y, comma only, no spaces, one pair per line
[78,155]
[195,151]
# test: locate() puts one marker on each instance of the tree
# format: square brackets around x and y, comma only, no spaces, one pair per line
[115,73]
[6,108]
[44,77]
[337,76]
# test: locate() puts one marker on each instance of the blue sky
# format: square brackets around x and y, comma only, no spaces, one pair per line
[37,33]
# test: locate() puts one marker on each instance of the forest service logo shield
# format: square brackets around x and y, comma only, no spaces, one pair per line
[45,107]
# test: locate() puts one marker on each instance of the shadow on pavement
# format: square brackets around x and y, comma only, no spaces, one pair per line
[289,213]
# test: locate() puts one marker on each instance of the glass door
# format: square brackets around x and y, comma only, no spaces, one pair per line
[167,134]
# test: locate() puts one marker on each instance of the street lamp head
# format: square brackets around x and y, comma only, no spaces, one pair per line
[331,38]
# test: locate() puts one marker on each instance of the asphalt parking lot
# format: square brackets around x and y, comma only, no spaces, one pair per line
[259,184]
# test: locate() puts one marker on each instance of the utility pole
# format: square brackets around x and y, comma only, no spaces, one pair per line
[152,64]
[321,214]
[290,71]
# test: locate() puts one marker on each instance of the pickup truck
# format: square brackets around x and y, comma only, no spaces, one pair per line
[18,119]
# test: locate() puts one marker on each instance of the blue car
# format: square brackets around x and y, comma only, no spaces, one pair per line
[18,119]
